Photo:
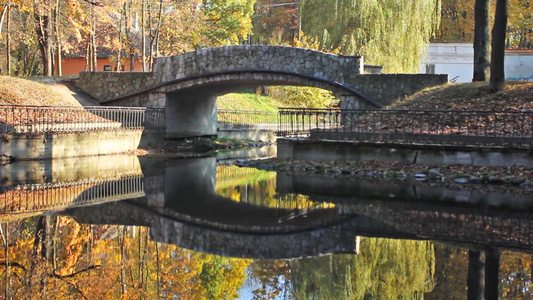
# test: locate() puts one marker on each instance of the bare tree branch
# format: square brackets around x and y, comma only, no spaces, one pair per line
[95,3]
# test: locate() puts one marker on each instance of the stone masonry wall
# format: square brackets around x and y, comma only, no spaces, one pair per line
[307,62]
[344,70]
[387,88]
[110,85]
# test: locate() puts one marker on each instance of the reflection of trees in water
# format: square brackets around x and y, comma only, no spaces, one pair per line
[451,265]
[57,256]
[258,187]
[516,271]
[384,269]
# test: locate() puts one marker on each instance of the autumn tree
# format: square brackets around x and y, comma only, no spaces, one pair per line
[25,58]
[457,21]
[42,14]
[275,22]
[228,21]
[390,33]
[520,24]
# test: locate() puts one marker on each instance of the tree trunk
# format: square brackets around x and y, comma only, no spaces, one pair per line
[120,38]
[54,245]
[158,271]
[154,34]
[492,277]
[8,39]
[5,239]
[42,26]
[122,239]
[481,41]
[94,53]
[94,57]
[129,35]
[497,74]
[57,64]
[143,37]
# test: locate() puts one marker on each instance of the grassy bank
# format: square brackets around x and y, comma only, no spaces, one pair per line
[248,101]
[18,91]
[518,95]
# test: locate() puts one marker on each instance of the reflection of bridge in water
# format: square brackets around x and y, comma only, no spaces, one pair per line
[34,187]
[193,217]
[177,201]
[34,198]
[420,212]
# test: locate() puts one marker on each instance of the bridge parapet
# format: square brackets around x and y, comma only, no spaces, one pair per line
[260,64]
[110,85]
[336,68]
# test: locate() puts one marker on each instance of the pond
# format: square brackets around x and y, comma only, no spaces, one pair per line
[151,228]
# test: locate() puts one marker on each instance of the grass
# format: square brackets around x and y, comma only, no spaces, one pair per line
[247,101]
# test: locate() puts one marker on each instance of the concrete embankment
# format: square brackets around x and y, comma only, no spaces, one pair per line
[62,145]
[327,150]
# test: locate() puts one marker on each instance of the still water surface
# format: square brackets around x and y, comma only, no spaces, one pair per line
[144,228]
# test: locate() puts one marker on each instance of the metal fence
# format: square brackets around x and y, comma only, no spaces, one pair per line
[454,127]
[247,119]
[26,119]
[155,118]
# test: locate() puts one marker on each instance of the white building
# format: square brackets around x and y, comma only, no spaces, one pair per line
[457,60]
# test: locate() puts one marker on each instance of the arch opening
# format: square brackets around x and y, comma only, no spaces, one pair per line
[191,104]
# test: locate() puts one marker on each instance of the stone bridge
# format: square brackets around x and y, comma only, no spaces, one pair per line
[188,84]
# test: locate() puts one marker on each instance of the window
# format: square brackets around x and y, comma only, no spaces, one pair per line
[107,67]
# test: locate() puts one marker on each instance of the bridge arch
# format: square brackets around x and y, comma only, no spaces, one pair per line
[182,82]
[191,101]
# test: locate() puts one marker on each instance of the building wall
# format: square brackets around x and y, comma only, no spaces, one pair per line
[73,66]
[519,65]
[457,60]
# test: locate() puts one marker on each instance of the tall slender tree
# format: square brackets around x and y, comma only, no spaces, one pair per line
[41,14]
[481,41]
[497,73]
[8,39]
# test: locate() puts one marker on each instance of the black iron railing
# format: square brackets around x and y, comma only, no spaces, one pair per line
[247,119]
[49,119]
[155,118]
[487,128]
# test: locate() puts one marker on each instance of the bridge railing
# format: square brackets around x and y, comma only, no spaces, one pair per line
[26,119]
[441,127]
[155,118]
[229,119]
